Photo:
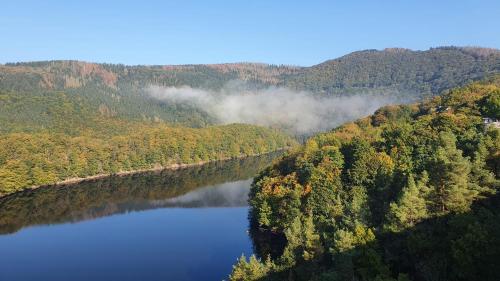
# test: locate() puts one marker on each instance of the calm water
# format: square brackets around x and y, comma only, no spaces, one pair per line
[189,224]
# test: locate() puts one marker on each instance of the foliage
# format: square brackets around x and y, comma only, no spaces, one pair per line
[120,90]
[250,270]
[100,197]
[32,159]
[417,72]
[407,193]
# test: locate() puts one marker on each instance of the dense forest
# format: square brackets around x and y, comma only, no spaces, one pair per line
[42,158]
[49,136]
[118,194]
[68,119]
[420,73]
[119,90]
[408,193]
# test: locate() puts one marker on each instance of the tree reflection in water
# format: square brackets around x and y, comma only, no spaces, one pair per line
[201,186]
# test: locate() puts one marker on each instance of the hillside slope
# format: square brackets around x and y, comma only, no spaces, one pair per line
[44,158]
[408,193]
[415,72]
[121,90]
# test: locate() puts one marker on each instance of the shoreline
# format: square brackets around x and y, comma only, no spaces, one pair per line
[172,167]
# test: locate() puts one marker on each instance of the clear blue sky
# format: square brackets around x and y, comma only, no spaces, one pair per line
[280,32]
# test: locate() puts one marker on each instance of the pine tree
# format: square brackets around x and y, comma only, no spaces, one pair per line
[410,208]
[450,171]
[264,214]
[313,248]
[251,270]
[481,178]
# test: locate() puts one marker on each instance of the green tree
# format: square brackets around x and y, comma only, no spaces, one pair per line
[411,206]
[491,105]
[311,243]
[449,177]
[251,270]
[326,198]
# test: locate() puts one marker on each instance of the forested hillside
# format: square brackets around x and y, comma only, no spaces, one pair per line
[50,134]
[121,90]
[412,72]
[408,193]
[44,158]
[66,119]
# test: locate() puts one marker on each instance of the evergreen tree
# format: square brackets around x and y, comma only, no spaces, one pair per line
[312,247]
[251,270]
[411,207]
[449,177]
[481,178]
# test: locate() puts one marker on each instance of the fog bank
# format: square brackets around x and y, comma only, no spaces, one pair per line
[298,112]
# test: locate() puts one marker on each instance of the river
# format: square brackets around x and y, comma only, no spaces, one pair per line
[188,224]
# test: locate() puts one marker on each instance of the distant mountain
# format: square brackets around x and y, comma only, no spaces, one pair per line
[432,71]
[119,90]
[421,72]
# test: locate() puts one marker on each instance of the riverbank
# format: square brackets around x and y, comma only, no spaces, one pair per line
[177,166]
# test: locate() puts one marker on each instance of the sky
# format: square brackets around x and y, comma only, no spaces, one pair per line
[278,32]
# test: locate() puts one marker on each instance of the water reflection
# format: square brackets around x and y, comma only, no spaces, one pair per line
[232,194]
[219,184]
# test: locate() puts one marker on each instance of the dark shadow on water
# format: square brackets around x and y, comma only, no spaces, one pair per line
[265,242]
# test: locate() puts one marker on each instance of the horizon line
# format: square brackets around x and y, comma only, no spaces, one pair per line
[10,63]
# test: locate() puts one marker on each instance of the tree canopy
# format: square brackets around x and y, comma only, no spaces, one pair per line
[408,193]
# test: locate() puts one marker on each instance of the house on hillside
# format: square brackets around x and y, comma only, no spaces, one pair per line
[441,109]
[491,122]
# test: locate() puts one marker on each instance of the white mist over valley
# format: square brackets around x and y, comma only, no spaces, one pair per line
[299,112]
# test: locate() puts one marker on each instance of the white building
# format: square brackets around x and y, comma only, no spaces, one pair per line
[491,122]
